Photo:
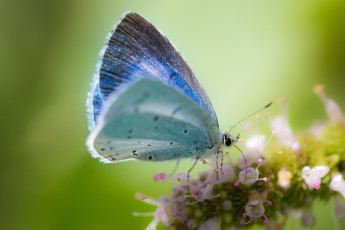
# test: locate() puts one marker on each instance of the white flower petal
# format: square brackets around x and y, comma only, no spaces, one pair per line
[306,170]
[321,170]
[312,177]
[284,178]
[317,129]
[338,184]
[256,143]
[153,224]
[282,129]
[334,111]
[296,146]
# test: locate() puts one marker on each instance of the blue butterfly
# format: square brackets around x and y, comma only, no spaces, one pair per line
[146,103]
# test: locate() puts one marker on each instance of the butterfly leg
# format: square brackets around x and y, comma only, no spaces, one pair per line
[176,166]
[196,160]
[221,161]
[217,165]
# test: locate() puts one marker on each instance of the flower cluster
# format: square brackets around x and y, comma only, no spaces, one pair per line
[276,177]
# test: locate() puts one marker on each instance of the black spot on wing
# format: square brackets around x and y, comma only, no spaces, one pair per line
[176,110]
[142,99]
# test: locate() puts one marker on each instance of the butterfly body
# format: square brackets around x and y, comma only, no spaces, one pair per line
[146,103]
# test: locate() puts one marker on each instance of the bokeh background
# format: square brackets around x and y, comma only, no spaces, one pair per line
[245,53]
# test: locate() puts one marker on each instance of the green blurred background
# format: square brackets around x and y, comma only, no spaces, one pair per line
[245,53]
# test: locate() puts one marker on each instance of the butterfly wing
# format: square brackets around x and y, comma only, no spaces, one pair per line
[150,120]
[135,48]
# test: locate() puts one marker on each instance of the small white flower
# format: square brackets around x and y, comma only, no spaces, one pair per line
[163,213]
[332,108]
[202,193]
[250,175]
[226,172]
[284,132]
[317,129]
[284,178]
[256,144]
[254,210]
[338,184]
[312,176]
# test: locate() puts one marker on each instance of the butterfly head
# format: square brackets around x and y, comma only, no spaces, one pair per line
[229,140]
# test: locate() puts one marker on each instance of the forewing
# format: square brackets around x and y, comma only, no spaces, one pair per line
[136,48]
[150,120]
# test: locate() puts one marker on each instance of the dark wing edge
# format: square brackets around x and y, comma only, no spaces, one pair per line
[95,100]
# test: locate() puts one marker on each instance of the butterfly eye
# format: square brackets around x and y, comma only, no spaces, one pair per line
[227,140]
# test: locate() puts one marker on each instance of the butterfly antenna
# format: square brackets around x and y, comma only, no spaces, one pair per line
[266,106]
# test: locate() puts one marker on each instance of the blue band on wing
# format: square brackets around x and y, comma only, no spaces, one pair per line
[136,49]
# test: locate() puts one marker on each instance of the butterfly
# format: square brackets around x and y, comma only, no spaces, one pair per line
[146,103]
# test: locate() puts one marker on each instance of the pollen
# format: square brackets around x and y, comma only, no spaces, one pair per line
[318,89]
[282,100]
